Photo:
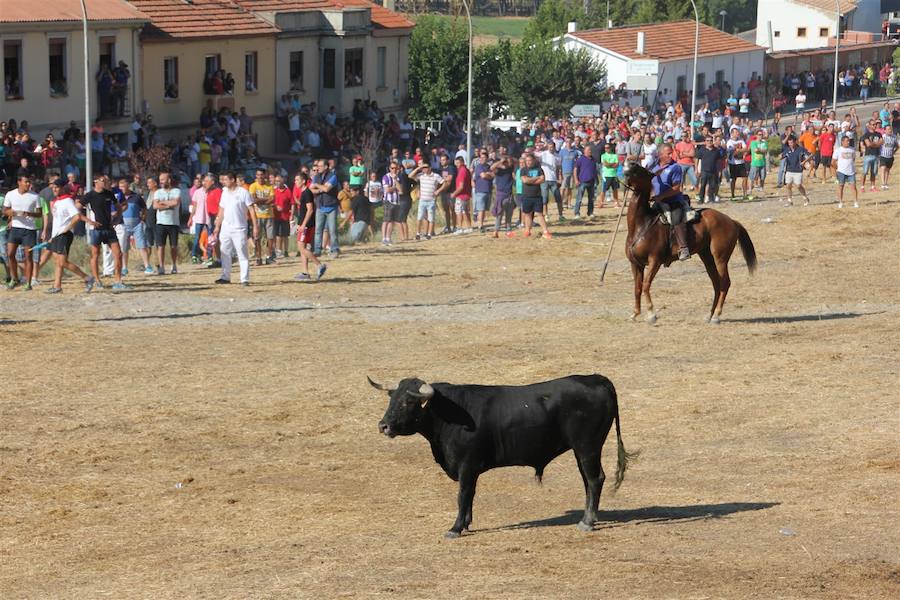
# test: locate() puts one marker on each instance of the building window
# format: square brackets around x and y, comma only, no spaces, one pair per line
[382,66]
[12,69]
[170,77]
[250,73]
[720,78]
[680,83]
[107,52]
[823,32]
[296,71]
[801,32]
[59,85]
[353,67]
[701,83]
[777,34]
[215,81]
[328,64]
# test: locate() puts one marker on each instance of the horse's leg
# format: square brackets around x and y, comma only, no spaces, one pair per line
[724,284]
[638,274]
[652,269]
[710,263]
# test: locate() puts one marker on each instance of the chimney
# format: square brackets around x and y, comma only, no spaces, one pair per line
[389,4]
[573,27]
[640,42]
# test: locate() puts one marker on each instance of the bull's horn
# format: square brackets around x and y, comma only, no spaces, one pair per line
[380,387]
[425,392]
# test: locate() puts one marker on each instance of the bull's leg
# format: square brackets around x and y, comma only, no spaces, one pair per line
[467,483]
[592,471]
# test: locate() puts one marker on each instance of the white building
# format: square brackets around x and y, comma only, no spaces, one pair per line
[804,24]
[635,53]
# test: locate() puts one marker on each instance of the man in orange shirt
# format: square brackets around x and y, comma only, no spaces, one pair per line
[809,139]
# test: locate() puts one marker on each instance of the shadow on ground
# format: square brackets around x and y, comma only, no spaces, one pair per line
[649,514]
[802,318]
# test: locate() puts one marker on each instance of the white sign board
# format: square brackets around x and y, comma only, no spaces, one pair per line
[586,110]
[642,74]
[641,82]
[642,67]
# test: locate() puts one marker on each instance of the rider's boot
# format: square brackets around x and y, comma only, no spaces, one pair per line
[681,237]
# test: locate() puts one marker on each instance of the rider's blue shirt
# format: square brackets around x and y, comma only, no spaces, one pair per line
[666,178]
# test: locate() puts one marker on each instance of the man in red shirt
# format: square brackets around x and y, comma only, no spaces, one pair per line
[462,195]
[283,198]
[827,140]
[213,196]
[684,155]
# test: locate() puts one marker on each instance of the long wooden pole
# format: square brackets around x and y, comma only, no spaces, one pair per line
[613,241]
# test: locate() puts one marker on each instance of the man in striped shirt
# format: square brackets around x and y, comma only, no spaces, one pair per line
[430,185]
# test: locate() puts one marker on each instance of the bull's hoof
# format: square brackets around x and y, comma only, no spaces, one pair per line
[651,318]
[451,535]
[582,526]
[714,320]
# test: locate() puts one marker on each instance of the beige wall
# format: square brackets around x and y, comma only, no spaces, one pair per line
[396,70]
[47,113]
[178,118]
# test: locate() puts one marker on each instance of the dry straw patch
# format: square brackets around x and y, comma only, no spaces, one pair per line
[190,441]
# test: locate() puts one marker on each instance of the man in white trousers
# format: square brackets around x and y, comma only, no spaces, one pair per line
[235,207]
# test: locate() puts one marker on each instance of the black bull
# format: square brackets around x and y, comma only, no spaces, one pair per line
[475,428]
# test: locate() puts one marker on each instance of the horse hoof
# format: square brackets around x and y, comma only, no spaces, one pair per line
[651,318]
[451,535]
[714,321]
[633,317]
[582,526]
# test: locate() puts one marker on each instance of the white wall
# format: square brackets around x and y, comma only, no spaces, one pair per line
[738,67]
[615,64]
[786,18]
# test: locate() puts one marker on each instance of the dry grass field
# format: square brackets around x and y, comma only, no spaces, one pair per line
[183,440]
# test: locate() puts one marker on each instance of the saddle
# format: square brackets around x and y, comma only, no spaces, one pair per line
[687,214]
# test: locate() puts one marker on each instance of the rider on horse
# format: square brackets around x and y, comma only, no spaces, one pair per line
[667,193]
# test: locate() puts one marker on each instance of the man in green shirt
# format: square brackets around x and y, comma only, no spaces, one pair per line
[357,174]
[758,151]
[610,163]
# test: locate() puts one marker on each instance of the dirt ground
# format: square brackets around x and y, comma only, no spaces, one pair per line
[183,440]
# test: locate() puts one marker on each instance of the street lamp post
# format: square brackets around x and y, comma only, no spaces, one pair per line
[469,101]
[88,166]
[694,81]
[837,47]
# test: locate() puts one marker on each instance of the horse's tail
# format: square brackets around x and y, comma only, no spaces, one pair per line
[747,248]
[622,456]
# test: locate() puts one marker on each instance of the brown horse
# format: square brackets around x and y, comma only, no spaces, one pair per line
[648,246]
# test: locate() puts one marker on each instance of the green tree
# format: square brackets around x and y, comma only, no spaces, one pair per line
[543,80]
[490,63]
[553,17]
[438,67]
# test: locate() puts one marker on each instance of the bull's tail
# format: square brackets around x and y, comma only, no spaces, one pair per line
[747,248]
[623,456]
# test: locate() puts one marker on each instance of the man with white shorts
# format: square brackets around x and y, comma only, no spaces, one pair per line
[235,207]
[430,184]
[795,157]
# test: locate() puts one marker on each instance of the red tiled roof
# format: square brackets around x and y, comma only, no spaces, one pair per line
[27,11]
[665,41]
[828,6]
[382,18]
[180,19]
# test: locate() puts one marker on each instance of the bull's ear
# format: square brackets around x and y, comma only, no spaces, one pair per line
[425,393]
[380,387]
